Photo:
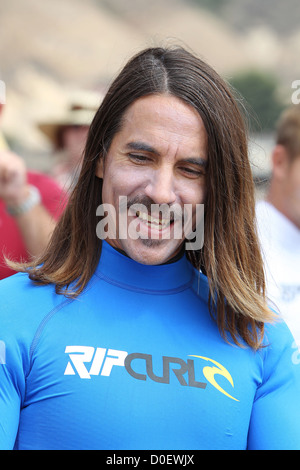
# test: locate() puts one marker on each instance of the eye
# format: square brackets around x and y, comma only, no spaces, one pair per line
[137,158]
[192,172]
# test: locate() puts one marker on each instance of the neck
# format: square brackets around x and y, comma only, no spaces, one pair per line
[278,199]
[172,260]
[116,268]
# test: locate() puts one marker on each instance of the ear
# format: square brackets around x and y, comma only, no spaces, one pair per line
[100,168]
[280,162]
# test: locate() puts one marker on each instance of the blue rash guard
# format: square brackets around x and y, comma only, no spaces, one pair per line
[136,362]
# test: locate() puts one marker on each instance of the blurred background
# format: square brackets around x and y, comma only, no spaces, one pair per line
[48,48]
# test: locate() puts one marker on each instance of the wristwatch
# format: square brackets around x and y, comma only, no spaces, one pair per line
[33,199]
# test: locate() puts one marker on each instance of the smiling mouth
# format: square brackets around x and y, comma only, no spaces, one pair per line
[158,223]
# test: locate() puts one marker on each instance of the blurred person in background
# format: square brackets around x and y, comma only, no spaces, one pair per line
[278,219]
[67,134]
[30,205]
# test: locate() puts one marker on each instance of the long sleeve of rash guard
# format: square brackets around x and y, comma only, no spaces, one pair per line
[275,406]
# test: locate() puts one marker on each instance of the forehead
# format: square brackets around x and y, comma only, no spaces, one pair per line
[165,119]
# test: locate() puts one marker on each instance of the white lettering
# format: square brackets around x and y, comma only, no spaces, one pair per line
[198,233]
[174,222]
[2,353]
[114,358]
[107,225]
[296,94]
[170,459]
[98,361]
[79,355]
[296,354]
[117,460]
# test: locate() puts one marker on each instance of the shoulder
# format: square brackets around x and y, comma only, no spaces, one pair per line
[278,338]
[280,351]
[23,307]
[261,207]
[19,287]
[23,310]
[277,335]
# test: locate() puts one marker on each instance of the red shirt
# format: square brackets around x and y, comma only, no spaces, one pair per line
[11,243]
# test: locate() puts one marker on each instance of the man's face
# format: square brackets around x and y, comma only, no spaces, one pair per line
[158,157]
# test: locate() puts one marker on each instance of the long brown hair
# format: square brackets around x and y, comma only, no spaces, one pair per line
[230,256]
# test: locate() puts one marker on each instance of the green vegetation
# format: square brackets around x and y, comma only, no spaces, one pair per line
[259,95]
[213,5]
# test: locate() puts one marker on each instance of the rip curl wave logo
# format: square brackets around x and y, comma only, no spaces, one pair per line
[140,366]
[210,372]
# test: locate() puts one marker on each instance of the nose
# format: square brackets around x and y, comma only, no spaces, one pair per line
[161,187]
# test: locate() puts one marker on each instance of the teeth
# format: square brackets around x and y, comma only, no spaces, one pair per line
[152,220]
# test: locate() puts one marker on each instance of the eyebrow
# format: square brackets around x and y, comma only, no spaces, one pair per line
[201,162]
[142,146]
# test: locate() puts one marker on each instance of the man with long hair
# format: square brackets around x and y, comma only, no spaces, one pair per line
[128,333]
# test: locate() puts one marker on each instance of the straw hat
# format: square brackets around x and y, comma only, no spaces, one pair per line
[80,111]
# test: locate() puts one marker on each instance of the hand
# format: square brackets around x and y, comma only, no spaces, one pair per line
[13,178]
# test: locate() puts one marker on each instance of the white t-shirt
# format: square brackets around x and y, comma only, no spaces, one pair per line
[280,243]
